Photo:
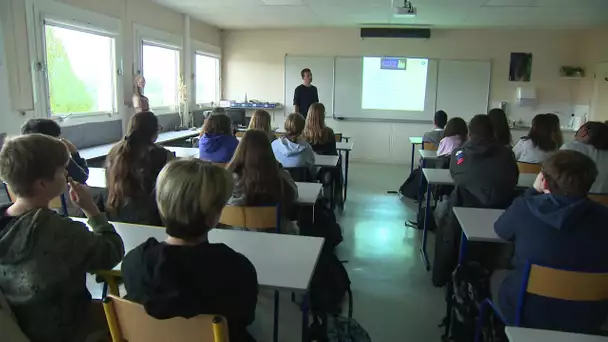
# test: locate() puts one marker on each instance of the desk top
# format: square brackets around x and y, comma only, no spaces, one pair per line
[345,146]
[281,261]
[516,334]
[416,140]
[326,161]
[443,177]
[478,224]
[307,192]
[100,151]
[428,154]
[184,152]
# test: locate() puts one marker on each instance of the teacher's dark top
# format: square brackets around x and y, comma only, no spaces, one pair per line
[305,96]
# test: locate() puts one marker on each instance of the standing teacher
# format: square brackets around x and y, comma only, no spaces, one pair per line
[305,94]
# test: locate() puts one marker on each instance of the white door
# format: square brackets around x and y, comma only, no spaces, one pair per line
[599,103]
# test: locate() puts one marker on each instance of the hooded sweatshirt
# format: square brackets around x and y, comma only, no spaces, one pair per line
[217,148]
[560,232]
[185,281]
[294,154]
[44,258]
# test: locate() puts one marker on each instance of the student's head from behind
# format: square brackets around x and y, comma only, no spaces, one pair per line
[315,130]
[143,128]
[480,127]
[306,76]
[42,126]
[294,126]
[257,168]
[260,120]
[568,173]
[34,166]
[502,132]
[543,133]
[218,124]
[457,127]
[190,194]
[441,118]
[593,133]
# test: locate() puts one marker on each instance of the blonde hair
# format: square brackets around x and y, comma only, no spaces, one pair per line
[27,158]
[315,131]
[294,125]
[189,192]
[260,120]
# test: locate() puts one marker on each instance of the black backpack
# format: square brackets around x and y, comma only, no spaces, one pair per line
[325,224]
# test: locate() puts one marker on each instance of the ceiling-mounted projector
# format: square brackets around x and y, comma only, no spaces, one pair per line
[407,10]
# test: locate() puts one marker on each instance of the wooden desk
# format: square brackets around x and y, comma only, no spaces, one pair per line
[477,225]
[308,193]
[516,334]
[428,154]
[184,152]
[414,141]
[326,161]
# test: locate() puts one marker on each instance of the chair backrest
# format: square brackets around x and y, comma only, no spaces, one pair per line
[278,135]
[256,218]
[429,146]
[338,137]
[222,165]
[240,134]
[129,321]
[57,203]
[562,284]
[599,198]
[529,167]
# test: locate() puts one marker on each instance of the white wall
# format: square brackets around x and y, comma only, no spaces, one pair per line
[5,99]
[253,62]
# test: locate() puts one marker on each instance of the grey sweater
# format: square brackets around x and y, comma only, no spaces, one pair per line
[44,258]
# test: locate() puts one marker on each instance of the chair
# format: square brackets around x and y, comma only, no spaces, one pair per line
[552,283]
[129,321]
[255,218]
[429,146]
[338,137]
[599,198]
[278,135]
[529,167]
[240,134]
[58,203]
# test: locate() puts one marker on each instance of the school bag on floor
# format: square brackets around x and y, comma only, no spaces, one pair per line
[325,224]
[411,187]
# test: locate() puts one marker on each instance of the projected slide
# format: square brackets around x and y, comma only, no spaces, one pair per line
[394,83]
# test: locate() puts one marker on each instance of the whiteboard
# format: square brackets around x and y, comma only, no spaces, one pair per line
[463,87]
[322,77]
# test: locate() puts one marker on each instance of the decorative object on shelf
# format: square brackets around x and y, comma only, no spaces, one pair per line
[572,72]
[254,104]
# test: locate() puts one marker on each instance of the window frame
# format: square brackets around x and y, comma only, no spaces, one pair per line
[207,50]
[38,14]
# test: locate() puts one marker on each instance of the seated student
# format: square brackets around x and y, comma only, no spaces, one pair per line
[540,142]
[44,257]
[592,140]
[320,137]
[260,180]
[291,150]
[261,120]
[186,275]
[434,136]
[555,225]
[502,132]
[485,176]
[455,134]
[132,166]
[77,167]
[217,143]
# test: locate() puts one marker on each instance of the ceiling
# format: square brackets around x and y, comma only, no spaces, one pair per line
[239,14]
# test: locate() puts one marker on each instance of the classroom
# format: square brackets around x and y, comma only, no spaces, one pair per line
[434,140]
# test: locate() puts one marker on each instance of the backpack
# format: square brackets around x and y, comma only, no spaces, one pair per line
[411,187]
[325,224]
[465,293]
[339,329]
[329,284]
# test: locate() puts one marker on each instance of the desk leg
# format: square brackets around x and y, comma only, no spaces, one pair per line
[463,249]
[346,175]
[412,162]
[305,318]
[332,187]
[420,188]
[427,213]
[275,330]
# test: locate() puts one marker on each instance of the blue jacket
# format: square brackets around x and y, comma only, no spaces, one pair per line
[290,154]
[560,232]
[217,148]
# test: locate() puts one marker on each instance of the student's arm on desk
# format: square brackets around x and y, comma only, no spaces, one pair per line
[507,223]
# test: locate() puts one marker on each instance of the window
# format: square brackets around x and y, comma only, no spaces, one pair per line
[207,79]
[80,75]
[160,66]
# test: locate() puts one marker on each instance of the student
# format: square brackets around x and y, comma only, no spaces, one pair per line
[434,136]
[555,225]
[540,142]
[186,275]
[320,137]
[502,132]
[305,94]
[260,180]
[77,167]
[592,140]
[455,134]
[261,120]
[44,257]
[132,166]
[291,150]
[217,143]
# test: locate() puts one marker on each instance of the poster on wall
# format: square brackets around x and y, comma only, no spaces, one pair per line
[520,67]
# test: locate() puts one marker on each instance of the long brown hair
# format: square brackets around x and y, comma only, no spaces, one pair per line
[315,131]
[127,164]
[257,169]
[502,132]
[261,120]
[294,125]
[217,124]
